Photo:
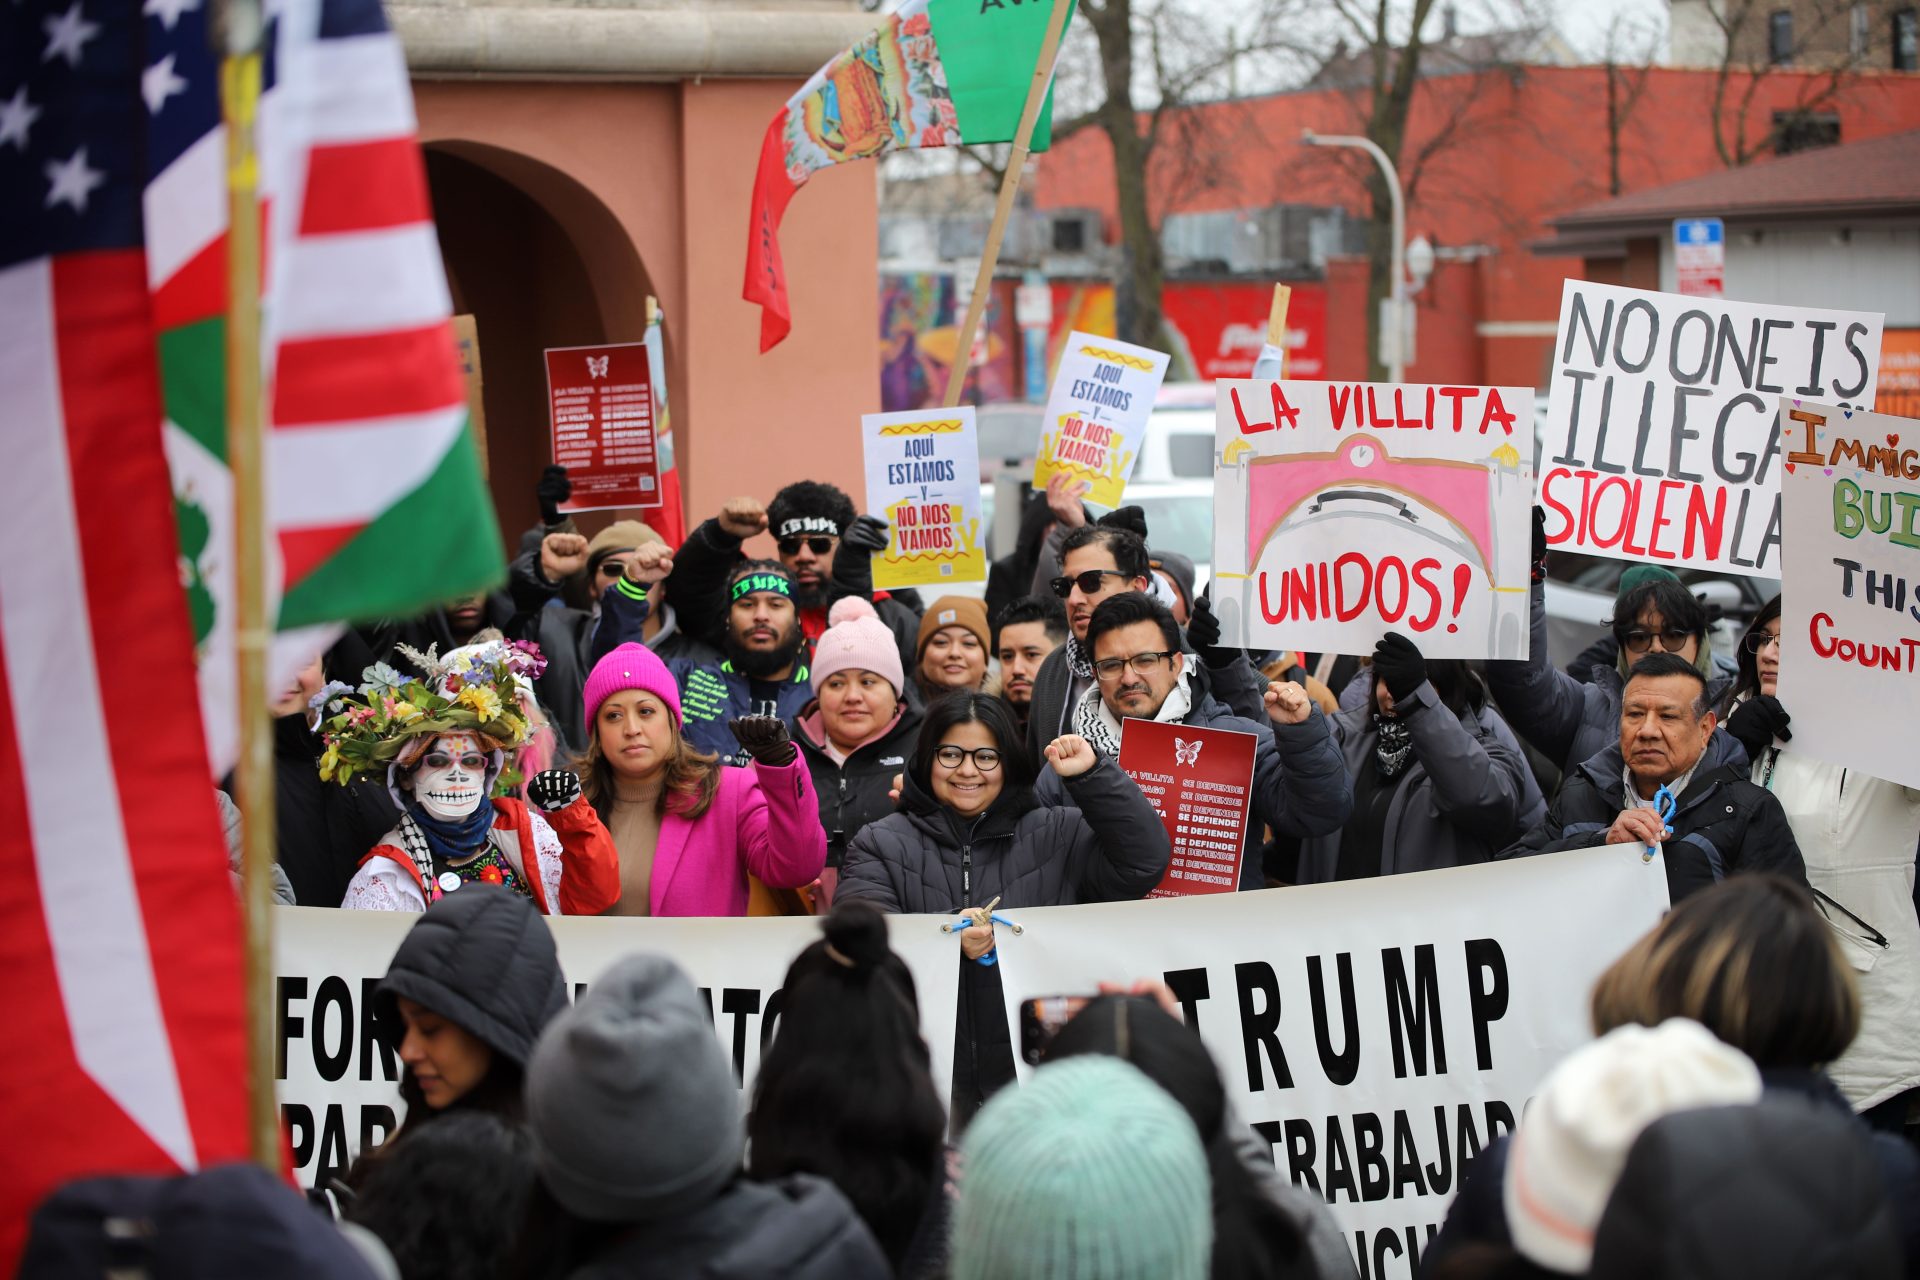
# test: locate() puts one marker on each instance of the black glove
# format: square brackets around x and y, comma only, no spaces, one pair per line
[1203,633]
[764,738]
[1398,662]
[1756,722]
[554,488]
[553,789]
[1539,561]
[869,533]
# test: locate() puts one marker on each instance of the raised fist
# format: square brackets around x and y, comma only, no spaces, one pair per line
[651,563]
[743,517]
[869,533]
[562,555]
[552,489]
[553,789]
[1287,703]
[1071,755]
[764,738]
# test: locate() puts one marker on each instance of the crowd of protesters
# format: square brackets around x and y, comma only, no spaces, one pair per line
[633,728]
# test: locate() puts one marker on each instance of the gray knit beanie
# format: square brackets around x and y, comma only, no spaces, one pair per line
[1089,1172]
[630,1100]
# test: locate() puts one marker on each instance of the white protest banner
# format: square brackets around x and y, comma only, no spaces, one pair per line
[1097,414]
[1850,586]
[1661,439]
[1344,510]
[1378,1032]
[339,1086]
[923,477]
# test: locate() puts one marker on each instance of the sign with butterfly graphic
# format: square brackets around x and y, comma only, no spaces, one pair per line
[1200,783]
[602,411]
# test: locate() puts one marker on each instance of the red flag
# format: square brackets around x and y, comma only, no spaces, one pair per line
[766,277]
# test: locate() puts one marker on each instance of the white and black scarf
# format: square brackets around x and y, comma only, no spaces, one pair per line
[1101,728]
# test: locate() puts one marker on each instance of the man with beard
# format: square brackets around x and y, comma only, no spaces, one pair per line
[764,673]
[1030,629]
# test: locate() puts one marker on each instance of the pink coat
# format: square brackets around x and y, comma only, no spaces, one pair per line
[763,819]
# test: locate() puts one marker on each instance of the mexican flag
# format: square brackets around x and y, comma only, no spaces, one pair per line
[939,73]
[375,499]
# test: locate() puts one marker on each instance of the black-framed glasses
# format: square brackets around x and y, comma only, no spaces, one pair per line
[1088,582]
[985,759]
[1671,639]
[1108,669]
[1756,641]
[819,546]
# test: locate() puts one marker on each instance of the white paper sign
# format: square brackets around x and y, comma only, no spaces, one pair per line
[1850,586]
[1660,441]
[1097,414]
[1377,1032]
[1346,510]
[923,478]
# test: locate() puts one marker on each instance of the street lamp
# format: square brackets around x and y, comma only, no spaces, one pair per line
[1392,347]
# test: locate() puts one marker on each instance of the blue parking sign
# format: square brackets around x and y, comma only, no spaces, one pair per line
[1700,256]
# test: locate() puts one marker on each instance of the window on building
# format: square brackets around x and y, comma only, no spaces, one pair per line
[1804,130]
[1859,30]
[1780,36]
[1906,40]
[1069,235]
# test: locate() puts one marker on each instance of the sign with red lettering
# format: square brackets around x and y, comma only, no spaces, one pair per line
[1200,782]
[1661,439]
[1345,510]
[601,402]
[1850,586]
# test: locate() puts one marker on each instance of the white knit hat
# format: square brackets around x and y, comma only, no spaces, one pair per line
[1574,1138]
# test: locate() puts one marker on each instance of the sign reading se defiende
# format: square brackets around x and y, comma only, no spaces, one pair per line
[923,478]
[1850,586]
[1376,1033]
[601,403]
[1345,510]
[1200,782]
[1097,414]
[1661,442]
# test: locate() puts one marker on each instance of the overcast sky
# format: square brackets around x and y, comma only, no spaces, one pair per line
[1585,22]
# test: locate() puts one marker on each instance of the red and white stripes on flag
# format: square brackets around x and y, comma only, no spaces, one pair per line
[121,942]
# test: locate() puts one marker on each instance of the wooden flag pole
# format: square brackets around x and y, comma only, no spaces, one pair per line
[1277,323]
[246,448]
[1003,208]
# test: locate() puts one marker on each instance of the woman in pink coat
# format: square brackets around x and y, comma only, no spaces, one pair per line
[688,830]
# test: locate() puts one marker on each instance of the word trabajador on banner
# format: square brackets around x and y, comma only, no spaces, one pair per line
[1662,441]
[338,1081]
[1344,510]
[1376,1034]
[1850,586]
[923,477]
[1097,413]
[602,409]
[1200,782]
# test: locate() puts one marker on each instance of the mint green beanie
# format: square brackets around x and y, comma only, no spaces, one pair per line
[1089,1172]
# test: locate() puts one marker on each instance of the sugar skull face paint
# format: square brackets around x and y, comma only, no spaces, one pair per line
[451,778]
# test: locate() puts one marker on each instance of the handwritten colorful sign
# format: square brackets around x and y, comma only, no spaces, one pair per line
[601,400]
[1660,442]
[1097,414]
[1200,783]
[1344,510]
[923,478]
[1850,586]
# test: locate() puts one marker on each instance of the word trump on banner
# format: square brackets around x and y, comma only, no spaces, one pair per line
[602,406]
[1375,1034]
[1200,782]
[1850,586]
[1661,441]
[1097,414]
[1344,510]
[923,477]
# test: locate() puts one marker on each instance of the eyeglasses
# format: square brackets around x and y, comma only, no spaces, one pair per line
[1107,670]
[472,762]
[819,546]
[1670,640]
[985,759]
[612,568]
[1088,582]
[1759,640]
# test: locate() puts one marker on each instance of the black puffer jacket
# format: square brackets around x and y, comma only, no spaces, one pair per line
[794,1228]
[855,792]
[323,829]
[482,958]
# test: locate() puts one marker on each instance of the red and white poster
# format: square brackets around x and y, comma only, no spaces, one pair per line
[1200,782]
[601,405]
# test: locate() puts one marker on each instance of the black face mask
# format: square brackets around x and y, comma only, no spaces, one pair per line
[760,664]
[1393,747]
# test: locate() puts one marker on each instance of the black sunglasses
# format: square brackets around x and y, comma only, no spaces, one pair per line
[819,546]
[1088,582]
[1670,640]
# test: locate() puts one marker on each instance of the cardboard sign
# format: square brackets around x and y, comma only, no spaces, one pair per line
[466,344]
[1345,510]
[601,400]
[1850,586]
[923,477]
[1660,439]
[1097,414]
[1374,1034]
[1200,782]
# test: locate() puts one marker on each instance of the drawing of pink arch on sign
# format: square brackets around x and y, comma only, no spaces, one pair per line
[1461,491]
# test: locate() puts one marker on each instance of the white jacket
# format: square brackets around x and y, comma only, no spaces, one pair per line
[1858,836]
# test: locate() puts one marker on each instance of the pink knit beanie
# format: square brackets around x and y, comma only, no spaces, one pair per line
[632,666]
[856,639]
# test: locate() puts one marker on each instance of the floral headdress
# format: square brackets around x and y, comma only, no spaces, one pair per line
[392,717]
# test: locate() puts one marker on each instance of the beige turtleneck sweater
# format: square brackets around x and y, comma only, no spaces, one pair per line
[634,824]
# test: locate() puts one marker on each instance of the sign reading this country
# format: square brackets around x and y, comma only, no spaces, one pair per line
[1097,414]
[923,477]
[601,400]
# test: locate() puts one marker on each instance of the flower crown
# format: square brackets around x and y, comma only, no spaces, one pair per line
[473,692]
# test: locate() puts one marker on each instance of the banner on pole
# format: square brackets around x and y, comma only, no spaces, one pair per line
[1377,1033]
[1200,782]
[601,402]
[1344,510]
[1660,439]
[923,476]
[1097,414]
[1850,586]
[338,1085]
